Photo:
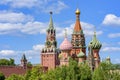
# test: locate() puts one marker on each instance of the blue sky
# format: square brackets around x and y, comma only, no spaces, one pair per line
[23,24]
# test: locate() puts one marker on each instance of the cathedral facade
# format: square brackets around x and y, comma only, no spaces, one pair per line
[51,56]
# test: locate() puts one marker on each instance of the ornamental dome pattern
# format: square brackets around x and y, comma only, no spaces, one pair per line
[65,45]
[94,43]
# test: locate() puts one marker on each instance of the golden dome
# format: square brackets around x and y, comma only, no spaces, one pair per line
[77,11]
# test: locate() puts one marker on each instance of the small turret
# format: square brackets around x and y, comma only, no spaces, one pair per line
[95,45]
[108,61]
[81,54]
[24,61]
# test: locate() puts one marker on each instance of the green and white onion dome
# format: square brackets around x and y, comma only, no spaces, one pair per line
[94,43]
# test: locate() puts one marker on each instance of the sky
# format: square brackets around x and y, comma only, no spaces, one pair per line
[23,25]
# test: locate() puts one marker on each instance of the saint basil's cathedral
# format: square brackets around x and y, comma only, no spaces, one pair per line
[51,56]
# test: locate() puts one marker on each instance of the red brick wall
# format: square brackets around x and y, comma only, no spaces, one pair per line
[8,70]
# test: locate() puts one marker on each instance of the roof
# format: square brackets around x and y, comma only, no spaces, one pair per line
[65,45]
[94,43]
[51,22]
[77,27]
[81,54]
[24,57]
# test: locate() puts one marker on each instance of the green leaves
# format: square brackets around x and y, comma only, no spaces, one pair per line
[73,71]
[7,62]
[2,77]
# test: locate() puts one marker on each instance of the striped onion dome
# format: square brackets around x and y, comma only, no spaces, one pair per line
[94,43]
[65,45]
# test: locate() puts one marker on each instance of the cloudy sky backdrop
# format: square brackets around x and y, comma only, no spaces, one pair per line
[23,25]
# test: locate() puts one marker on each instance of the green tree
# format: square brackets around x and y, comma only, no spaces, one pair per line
[15,77]
[85,72]
[4,62]
[2,77]
[7,62]
[36,73]
[27,75]
[29,64]
[12,61]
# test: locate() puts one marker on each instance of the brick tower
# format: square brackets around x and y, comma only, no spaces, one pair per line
[24,61]
[49,54]
[95,46]
[78,39]
[65,48]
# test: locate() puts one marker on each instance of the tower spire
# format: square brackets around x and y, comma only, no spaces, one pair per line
[77,27]
[65,33]
[51,21]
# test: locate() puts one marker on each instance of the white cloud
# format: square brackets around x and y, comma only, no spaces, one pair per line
[114,35]
[7,52]
[12,17]
[88,30]
[38,47]
[21,3]
[33,54]
[25,3]
[55,7]
[34,27]
[44,5]
[107,49]
[27,28]
[111,19]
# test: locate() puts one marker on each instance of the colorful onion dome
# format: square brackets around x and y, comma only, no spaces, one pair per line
[95,44]
[81,54]
[66,45]
[77,11]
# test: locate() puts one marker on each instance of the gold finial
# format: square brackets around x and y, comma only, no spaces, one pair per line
[65,33]
[77,11]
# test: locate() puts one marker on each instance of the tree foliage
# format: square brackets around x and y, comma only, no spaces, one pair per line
[2,77]
[7,62]
[74,71]
[15,77]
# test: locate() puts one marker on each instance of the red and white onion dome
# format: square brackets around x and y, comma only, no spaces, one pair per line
[66,45]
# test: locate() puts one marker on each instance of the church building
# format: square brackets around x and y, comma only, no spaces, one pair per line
[51,56]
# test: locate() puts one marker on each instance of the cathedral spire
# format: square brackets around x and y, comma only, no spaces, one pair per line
[51,22]
[65,33]
[77,27]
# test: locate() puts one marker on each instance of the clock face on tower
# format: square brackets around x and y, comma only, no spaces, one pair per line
[48,43]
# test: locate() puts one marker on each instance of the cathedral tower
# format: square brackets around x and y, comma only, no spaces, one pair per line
[78,39]
[65,48]
[95,47]
[49,54]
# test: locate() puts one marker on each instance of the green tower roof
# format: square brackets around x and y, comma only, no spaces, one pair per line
[95,44]
[51,22]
